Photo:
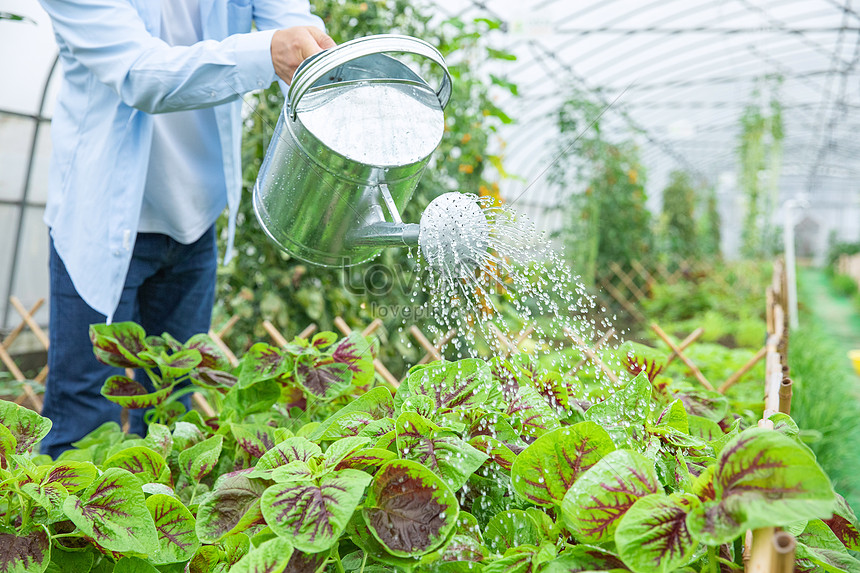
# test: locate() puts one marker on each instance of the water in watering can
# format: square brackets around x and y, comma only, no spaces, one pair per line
[474,252]
[399,124]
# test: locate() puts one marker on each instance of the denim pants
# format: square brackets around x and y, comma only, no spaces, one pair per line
[170,287]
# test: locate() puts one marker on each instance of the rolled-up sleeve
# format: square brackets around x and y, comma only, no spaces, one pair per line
[110,39]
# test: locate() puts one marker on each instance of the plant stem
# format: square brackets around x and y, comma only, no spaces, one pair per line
[363,561]
[712,560]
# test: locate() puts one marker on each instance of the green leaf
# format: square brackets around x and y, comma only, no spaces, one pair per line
[133,565]
[819,546]
[356,354]
[26,554]
[844,524]
[176,365]
[199,459]
[624,413]
[763,479]
[271,556]
[509,529]
[290,450]
[593,507]
[368,460]
[262,362]
[256,397]
[323,378]
[501,55]
[73,476]
[312,514]
[177,540]
[495,450]
[8,444]
[704,428]
[71,561]
[653,536]
[530,413]
[119,344]
[342,448]
[377,403]
[113,512]
[145,463]
[546,469]
[211,355]
[301,562]
[233,495]
[409,509]
[26,426]
[253,440]
[443,452]
[585,558]
[129,393]
[462,384]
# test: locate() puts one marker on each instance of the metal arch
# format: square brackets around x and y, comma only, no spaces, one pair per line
[39,120]
[837,106]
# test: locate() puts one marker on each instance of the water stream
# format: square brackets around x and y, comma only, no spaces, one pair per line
[475,253]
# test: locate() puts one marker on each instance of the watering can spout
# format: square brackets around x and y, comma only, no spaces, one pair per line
[385,234]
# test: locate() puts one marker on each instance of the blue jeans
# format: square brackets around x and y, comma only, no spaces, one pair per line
[170,287]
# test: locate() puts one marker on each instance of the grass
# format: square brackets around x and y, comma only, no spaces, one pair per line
[826,401]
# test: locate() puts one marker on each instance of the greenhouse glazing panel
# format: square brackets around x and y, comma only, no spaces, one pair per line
[16,136]
[31,275]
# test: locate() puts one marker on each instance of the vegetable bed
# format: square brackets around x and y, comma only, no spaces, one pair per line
[493,466]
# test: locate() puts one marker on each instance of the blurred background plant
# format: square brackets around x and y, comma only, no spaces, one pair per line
[603,183]
[264,283]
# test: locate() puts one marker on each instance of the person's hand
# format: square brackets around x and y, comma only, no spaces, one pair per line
[291,46]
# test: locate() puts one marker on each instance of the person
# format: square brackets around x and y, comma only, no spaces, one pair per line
[146,135]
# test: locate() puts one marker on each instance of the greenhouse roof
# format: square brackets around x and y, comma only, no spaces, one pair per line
[677,75]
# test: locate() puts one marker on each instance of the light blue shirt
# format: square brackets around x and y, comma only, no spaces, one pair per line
[116,72]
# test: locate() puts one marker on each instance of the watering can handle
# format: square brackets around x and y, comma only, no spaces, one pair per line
[318,65]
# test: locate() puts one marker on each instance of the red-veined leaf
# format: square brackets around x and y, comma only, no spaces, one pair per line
[177,540]
[546,469]
[409,509]
[653,536]
[597,501]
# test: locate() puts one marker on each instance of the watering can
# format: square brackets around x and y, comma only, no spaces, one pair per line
[353,139]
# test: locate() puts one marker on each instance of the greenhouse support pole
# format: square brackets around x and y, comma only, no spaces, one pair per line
[791,262]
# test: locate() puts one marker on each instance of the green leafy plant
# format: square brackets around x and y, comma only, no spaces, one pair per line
[495,466]
[604,183]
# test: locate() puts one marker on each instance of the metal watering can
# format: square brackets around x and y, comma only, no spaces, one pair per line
[351,143]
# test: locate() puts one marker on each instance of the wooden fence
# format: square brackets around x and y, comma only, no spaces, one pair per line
[628,285]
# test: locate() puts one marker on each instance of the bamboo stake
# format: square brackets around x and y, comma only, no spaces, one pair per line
[603,340]
[37,330]
[228,326]
[761,551]
[224,348]
[424,343]
[13,334]
[10,364]
[18,375]
[785,396]
[731,380]
[773,378]
[590,354]
[203,404]
[696,372]
[274,334]
[784,547]
[449,336]
[380,368]
[309,329]
[686,343]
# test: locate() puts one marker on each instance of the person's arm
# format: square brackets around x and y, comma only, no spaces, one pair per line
[109,38]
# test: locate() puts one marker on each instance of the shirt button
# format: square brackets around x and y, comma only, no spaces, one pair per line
[212,94]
